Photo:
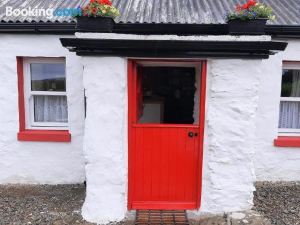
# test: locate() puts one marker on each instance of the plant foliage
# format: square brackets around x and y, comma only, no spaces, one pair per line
[100,8]
[251,10]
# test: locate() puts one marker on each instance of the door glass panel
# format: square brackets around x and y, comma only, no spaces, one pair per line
[167,95]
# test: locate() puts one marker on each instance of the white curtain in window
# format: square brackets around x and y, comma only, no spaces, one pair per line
[50,109]
[290,111]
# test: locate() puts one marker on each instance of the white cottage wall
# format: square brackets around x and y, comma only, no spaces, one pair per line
[105,140]
[232,101]
[274,163]
[39,162]
[228,180]
[228,168]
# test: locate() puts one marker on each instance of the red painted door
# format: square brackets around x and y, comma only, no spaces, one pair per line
[165,160]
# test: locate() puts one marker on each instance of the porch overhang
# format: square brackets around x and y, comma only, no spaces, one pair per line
[172,48]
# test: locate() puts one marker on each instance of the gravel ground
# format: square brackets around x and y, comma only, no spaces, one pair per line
[279,202]
[41,204]
[61,204]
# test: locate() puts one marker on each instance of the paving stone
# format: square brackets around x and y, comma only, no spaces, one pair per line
[250,218]
[209,220]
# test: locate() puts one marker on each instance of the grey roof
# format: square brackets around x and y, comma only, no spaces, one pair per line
[159,11]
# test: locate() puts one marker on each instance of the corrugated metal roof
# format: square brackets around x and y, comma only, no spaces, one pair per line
[159,11]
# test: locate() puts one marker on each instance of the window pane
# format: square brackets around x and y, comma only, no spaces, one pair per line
[50,109]
[166,95]
[290,86]
[289,115]
[48,77]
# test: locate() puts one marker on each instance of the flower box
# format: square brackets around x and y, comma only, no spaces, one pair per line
[95,24]
[247,27]
[250,18]
[97,16]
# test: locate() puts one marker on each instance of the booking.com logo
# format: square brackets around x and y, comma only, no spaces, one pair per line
[36,12]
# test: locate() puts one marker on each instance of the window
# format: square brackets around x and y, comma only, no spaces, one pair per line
[289,119]
[42,99]
[45,91]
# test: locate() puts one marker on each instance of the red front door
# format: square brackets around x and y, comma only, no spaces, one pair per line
[166,117]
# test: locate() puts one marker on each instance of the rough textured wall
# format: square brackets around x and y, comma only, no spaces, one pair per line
[273,163]
[232,100]
[228,153]
[38,162]
[105,141]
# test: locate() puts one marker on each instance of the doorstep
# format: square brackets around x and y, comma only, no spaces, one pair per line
[161,217]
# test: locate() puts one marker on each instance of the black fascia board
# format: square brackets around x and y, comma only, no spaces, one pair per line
[173,48]
[289,31]
[174,55]
[37,28]
[177,29]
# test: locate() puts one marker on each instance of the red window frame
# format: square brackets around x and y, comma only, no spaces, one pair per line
[34,135]
[287,141]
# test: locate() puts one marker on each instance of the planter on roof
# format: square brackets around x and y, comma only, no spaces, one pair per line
[247,27]
[95,24]
[96,16]
[250,18]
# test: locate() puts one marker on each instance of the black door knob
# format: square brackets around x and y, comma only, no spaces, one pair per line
[191,134]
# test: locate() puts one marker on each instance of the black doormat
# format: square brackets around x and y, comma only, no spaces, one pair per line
[161,217]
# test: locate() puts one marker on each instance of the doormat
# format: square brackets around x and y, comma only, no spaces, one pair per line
[161,217]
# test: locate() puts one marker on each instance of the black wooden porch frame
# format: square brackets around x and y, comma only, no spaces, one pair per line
[286,31]
[172,48]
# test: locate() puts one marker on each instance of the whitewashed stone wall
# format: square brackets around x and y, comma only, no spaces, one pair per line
[105,141]
[232,101]
[228,169]
[38,162]
[273,163]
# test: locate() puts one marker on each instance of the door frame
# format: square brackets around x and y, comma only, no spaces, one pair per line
[132,70]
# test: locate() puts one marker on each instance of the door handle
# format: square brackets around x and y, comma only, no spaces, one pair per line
[191,134]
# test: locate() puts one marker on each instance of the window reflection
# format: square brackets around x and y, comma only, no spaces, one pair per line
[48,77]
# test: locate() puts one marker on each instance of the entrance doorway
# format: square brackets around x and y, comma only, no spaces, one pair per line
[166,123]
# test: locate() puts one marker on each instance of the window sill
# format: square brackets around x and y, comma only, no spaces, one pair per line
[45,135]
[287,141]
